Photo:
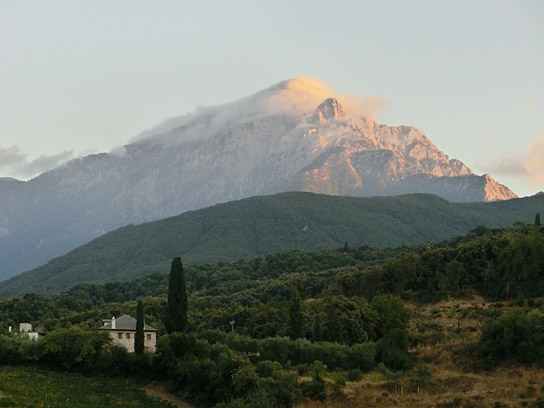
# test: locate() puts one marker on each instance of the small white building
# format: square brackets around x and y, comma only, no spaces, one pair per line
[123,331]
[26,330]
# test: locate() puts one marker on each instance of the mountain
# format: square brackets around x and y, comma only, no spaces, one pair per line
[297,135]
[267,224]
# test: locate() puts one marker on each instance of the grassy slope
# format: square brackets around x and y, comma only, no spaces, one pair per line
[444,328]
[26,387]
[264,225]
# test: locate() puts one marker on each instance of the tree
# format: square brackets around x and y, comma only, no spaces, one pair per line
[392,350]
[537,219]
[507,338]
[347,320]
[73,349]
[295,317]
[316,328]
[315,389]
[391,315]
[139,337]
[175,316]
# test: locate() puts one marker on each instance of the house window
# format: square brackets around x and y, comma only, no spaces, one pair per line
[128,335]
[119,335]
[148,336]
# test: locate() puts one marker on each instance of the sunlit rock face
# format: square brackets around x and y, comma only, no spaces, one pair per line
[296,135]
[329,109]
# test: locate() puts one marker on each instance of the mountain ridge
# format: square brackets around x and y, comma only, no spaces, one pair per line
[297,135]
[261,225]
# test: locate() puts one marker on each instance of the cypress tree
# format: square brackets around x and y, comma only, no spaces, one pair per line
[295,317]
[537,219]
[334,330]
[139,338]
[175,316]
[316,329]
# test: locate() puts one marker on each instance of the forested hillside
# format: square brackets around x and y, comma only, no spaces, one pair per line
[348,325]
[264,225]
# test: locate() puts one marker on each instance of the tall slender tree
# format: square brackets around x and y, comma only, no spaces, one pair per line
[316,328]
[296,320]
[537,219]
[175,316]
[139,337]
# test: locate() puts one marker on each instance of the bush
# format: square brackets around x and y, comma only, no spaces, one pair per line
[114,360]
[283,388]
[355,375]
[266,368]
[276,349]
[518,335]
[314,389]
[9,350]
[73,349]
[361,356]
[392,350]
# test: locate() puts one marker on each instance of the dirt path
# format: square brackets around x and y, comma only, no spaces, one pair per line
[159,391]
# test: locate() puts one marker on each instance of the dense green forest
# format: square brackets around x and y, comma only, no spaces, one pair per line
[296,326]
[270,224]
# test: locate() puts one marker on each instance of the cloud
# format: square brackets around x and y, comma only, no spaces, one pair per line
[298,96]
[530,105]
[15,163]
[302,95]
[11,156]
[360,106]
[533,162]
[527,164]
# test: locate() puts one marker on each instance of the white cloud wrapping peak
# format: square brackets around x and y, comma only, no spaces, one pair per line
[302,95]
[298,96]
[15,163]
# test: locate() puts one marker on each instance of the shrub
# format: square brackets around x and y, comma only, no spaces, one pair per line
[266,368]
[361,356]
[73,349]
[392,350]
[355,375]
[314,389]
[9,350]
[518,335]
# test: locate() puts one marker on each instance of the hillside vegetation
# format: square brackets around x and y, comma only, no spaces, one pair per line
[30,387]
[264,225]
[457,323]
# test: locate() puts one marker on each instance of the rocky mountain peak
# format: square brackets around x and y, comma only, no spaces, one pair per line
[329,109]
[494,191]
[293,136]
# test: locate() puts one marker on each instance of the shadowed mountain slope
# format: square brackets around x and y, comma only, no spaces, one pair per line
[264,225]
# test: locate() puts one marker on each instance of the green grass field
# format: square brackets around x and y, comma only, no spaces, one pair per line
[28,387]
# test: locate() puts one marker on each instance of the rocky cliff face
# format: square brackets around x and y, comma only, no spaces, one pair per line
[292,136]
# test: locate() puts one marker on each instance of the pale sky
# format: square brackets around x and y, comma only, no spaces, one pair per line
[80,77]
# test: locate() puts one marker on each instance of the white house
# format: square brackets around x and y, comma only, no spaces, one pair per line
[26,330]
[123,331]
